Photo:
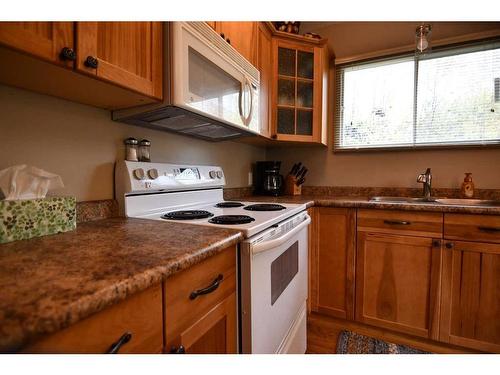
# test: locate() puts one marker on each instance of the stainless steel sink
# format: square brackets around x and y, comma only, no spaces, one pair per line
[402,200]
[469,202]
[444,201]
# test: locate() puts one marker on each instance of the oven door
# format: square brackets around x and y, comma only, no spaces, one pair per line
[273,291]
[209,80]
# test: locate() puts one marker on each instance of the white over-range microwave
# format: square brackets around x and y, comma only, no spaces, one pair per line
[210,90]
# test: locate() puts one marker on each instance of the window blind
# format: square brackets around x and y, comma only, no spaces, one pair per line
[449,97]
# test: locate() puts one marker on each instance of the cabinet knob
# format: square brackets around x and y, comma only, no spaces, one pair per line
[67,54]
[449,245]
[228,40]
[222,36]
[179,350]
[436,243]
[91,62]
[274,136]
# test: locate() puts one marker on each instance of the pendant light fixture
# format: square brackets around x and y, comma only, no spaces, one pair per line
[422,36]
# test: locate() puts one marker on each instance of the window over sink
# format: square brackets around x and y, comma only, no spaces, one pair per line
[449,97]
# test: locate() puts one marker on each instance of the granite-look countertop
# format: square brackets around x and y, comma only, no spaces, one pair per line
[364,202]
[51,282]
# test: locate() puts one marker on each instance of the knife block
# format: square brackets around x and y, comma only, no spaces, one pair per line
[290,186]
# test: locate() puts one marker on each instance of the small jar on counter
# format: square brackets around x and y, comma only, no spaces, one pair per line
[145,150]
[131,149]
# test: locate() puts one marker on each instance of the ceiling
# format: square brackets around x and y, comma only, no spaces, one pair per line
[347,39]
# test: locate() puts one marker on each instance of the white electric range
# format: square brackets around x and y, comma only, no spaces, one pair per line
[272,258]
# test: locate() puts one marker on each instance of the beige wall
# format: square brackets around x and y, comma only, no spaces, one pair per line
[81,143]
[387,169]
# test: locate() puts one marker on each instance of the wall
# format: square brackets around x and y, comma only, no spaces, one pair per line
[81,144]
[390,168]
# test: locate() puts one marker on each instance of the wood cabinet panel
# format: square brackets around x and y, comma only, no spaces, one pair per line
[183,313]
[334,262]
[397,282]
[242,36]
[300,71]
[41,39]
[140,314]
[472,227]
[128,54]
[214,333]
[264,64]
[426,224]
[471,295]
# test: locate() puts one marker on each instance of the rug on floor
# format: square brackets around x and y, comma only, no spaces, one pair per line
[354,343]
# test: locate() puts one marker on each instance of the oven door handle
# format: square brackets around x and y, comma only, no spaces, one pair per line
[267,245]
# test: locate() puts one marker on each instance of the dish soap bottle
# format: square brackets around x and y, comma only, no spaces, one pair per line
[468,186]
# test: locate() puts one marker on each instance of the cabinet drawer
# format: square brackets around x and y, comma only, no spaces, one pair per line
[472,227]
[182,308]
[140,315]
[426,224]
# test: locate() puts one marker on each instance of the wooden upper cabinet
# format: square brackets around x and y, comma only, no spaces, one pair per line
[264,64]
[397,282]
[470,303]
[300,77]
[45,40]
[128,54]
[211,24]
[241,35]
[333,261]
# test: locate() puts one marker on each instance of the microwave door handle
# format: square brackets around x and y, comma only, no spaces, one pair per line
[240,101]
[250,89]
[271,244]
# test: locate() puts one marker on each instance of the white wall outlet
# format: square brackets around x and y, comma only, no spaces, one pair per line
[250,178]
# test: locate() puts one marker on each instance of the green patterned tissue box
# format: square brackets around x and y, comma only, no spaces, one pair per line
[23,219]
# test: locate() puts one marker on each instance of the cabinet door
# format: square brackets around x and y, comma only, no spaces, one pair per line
[470,304]
[333,249]
[41,39]
[299,94]
[214,333]
[242,36]
[264,64]
[397,283]
[128,54]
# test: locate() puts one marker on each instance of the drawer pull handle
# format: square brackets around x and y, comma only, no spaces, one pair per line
[396,222]
[489,229]
[115,347]
[209,289]
[179,350]
[449,245]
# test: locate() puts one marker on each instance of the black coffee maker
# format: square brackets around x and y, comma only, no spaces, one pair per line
[267,178]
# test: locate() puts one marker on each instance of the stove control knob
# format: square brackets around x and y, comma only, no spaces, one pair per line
[219,174]
[212,174]
[153,173]
[139,174]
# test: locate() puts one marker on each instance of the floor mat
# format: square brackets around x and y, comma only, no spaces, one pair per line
[354,343]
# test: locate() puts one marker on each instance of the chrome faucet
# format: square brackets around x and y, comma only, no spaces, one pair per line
[426,179]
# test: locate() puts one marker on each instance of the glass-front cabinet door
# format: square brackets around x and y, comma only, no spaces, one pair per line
[298,88]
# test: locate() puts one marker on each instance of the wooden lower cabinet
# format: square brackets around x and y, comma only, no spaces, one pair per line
[470,312]
[140,316]
[205,324]
[333,261]
[397,282]
[214,333]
